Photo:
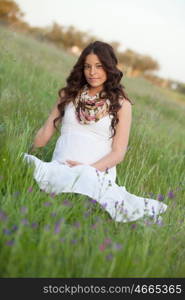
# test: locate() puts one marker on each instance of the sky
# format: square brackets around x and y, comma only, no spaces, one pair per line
[149,27]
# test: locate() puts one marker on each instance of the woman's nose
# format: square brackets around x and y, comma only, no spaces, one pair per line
[92,70]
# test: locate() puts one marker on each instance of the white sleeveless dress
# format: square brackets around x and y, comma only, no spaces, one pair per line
[87,144]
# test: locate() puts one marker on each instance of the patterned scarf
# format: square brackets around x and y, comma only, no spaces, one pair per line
[90,109]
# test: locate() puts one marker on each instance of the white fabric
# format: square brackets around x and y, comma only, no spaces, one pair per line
[87,144]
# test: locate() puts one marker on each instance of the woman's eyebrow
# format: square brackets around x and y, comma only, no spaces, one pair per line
[90,64]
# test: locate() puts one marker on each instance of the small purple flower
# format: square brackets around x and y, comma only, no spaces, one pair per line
[57,227]
[104,205]
[107,241]
[24,209]
[10,243]
[133,226]
[30,189]
[118,246]
[109,256]
[74,241]
[14,228]
[1,177]
[47,203]
[160,197]
[24,222]
[34,225]
[7,231]
[53,214]
[62,239]
[52,195]
[93,201]
[67,203]
[171,194]
[3,216]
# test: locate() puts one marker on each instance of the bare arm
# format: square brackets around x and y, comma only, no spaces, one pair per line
[120,140]
[45,133]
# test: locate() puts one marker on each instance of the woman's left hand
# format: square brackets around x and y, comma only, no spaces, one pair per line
[73,163]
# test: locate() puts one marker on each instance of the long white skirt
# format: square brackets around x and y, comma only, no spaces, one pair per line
[122,206]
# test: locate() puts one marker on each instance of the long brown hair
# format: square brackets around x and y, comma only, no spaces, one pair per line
[112,88]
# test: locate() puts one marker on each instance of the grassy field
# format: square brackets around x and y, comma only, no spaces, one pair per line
[67,235]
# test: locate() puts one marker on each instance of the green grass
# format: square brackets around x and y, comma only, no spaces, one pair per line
[31,243]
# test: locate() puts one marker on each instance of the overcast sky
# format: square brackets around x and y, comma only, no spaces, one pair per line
[151,27]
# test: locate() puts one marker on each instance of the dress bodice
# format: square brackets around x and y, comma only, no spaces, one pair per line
[85,143]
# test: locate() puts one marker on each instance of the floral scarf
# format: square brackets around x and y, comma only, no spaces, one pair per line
[90,109]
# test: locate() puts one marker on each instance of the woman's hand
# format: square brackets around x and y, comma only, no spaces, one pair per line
[73,163]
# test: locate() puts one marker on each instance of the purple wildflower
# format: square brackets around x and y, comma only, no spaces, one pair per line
[3,216]
[171,194]
[52,195]
[53,214]
[1,177]
[109,256]
[24,222]
[24,209]
[62,239]
[30,189]
[10,243]
[160,197]
[102,247]
[67,203]
[74,241]
[14,228]
[7,231]
[57,227]
[93,201]
[47,203]
[34,225]
[133,226]
[107,241]
[104,205]
[118,246]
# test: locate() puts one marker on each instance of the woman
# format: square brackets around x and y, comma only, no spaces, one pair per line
[95,117]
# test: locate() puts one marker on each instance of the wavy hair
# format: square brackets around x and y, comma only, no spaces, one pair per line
[112,88]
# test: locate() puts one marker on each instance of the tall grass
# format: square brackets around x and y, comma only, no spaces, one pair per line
[68,235]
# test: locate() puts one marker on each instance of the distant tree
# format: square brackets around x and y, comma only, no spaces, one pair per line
[10,12]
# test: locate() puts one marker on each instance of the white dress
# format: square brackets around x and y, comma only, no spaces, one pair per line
[87,144]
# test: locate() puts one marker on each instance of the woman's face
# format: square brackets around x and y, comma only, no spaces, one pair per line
[94,71]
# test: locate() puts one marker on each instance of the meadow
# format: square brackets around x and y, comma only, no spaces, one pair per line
[67,235]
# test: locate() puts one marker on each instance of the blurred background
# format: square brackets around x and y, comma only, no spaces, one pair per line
[146,35]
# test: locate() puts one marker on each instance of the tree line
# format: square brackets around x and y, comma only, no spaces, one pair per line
[74,40]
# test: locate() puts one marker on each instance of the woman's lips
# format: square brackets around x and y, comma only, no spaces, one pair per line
[93,78]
